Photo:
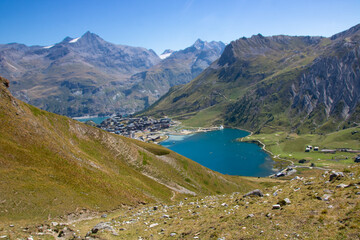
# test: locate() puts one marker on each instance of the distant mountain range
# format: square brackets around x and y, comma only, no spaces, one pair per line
[279,82]
[177,68]
[88,76]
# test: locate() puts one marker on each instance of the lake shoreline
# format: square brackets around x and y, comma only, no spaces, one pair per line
[219,151]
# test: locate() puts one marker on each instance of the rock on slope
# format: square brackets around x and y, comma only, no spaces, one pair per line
[298,83]
[52,165]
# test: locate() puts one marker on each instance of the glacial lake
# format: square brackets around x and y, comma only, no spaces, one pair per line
[96,120]
[219,151]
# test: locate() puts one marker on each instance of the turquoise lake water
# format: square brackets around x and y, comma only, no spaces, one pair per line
[219,151]
[96,120]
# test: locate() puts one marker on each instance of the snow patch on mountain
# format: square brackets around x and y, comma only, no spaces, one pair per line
[74,40]
[166,54]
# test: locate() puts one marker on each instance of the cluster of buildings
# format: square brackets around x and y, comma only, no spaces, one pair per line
[141,128]
[309,148]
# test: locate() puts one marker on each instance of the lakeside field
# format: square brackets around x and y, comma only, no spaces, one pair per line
[291,146]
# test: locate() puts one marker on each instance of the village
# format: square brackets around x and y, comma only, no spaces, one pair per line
[143,128]
[147,129]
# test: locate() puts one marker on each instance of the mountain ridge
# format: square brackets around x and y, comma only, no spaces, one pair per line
[89,76]
[259,82]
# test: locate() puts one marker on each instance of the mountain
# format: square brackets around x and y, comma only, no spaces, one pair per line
[89,76]
[52,165]
[75,77]
[178,68]
[281,82]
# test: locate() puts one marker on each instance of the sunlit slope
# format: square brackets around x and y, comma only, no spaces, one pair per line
[267,84]
[52,165]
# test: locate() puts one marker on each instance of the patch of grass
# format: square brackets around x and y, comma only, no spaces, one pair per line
[204,118]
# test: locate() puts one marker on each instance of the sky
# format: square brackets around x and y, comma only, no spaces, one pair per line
[171,24]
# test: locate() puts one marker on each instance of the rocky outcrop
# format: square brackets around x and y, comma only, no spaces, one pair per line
[5,82]
[331,81]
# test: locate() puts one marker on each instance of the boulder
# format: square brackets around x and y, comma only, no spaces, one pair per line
[153,225]
[250,215]
[336,175]
[255,192]
[54,224]
[276,206]
[296,178]
[326,197]
[102,226]
[285,201]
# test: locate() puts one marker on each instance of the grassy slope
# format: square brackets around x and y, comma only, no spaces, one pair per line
[292,146]
[52,165]
[306,217]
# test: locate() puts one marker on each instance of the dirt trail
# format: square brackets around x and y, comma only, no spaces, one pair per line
[173,196]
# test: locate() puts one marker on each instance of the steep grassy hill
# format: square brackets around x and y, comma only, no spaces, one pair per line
[300,84]
[52,165]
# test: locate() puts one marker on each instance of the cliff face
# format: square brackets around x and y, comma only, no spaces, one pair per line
[331,81]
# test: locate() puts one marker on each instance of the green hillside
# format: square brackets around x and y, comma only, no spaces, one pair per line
[52,166]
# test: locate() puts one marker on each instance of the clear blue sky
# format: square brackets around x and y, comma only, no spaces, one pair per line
[174,24]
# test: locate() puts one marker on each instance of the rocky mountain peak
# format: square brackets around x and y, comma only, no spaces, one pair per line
[89,35]
[199,44]
[66,40]
[167,51]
